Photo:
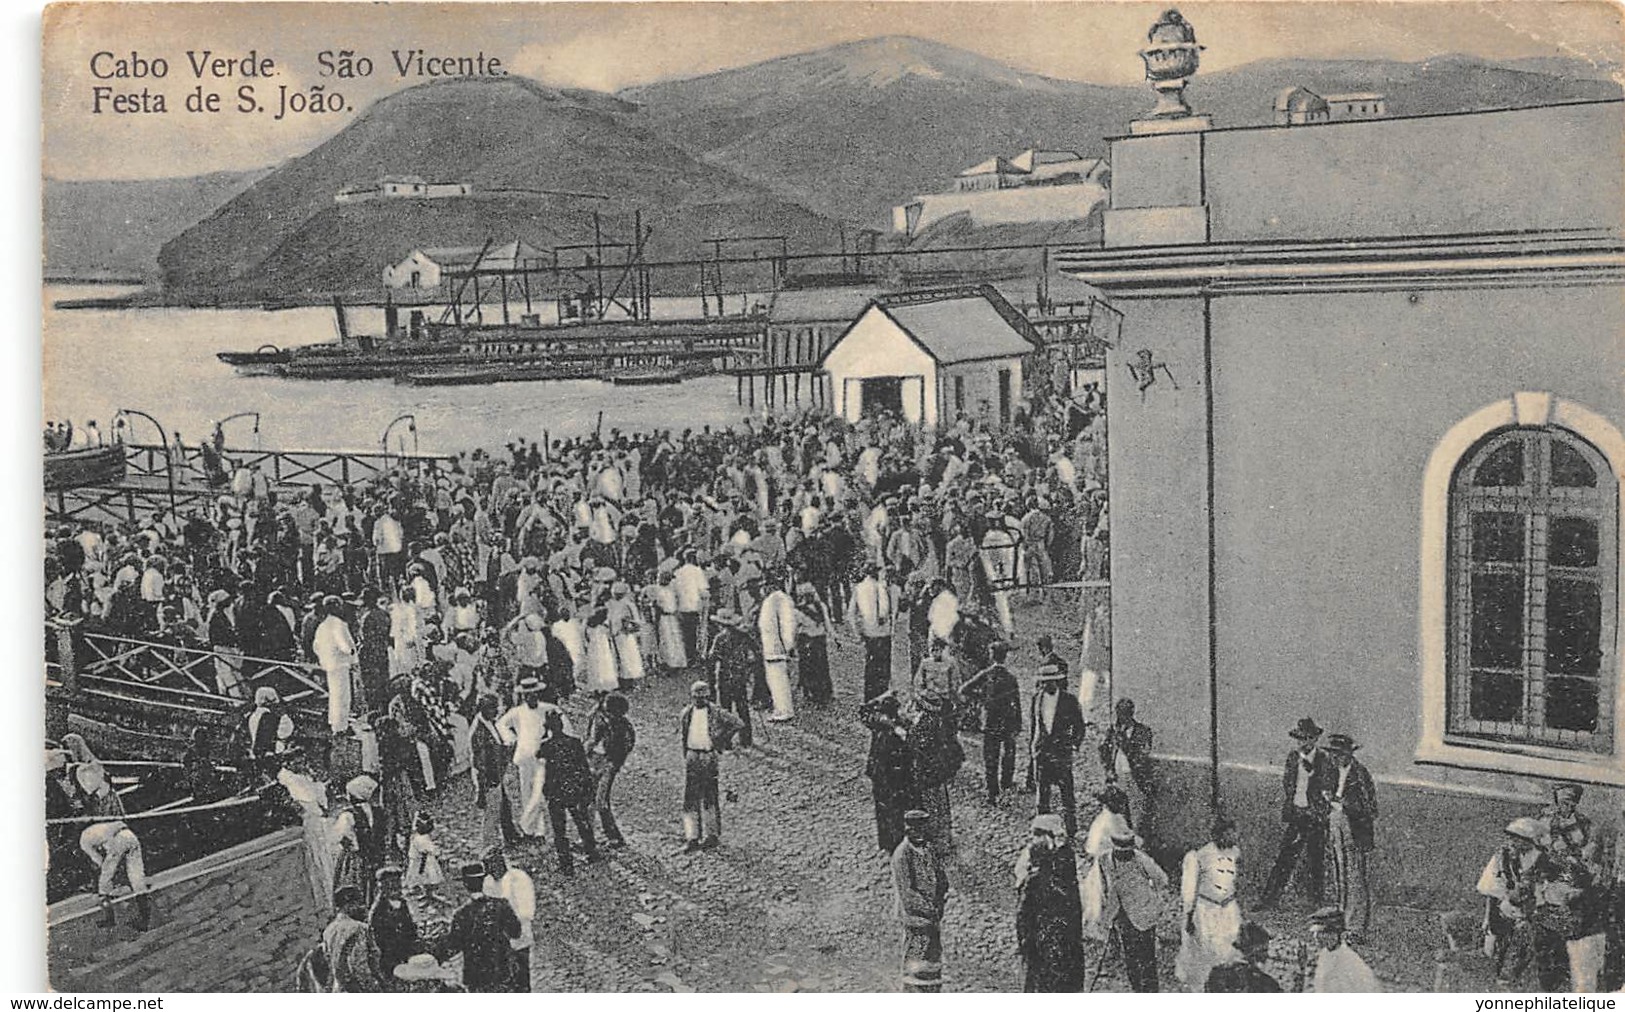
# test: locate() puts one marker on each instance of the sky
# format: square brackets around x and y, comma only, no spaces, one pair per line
[607,46]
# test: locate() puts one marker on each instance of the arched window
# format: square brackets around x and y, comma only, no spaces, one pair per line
[1533,570]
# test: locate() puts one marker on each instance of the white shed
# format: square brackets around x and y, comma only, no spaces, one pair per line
[930,356]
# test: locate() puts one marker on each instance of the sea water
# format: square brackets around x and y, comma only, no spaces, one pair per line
[162,362]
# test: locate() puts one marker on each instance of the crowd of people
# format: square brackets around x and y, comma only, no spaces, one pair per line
[447,611]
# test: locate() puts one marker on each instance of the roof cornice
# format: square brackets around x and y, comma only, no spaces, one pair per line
[1523,259]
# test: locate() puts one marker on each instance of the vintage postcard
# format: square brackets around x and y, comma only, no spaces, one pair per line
[834,496]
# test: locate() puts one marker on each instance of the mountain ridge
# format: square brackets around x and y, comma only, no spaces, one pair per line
[801,144]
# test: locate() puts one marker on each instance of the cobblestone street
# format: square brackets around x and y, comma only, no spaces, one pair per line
[799,897]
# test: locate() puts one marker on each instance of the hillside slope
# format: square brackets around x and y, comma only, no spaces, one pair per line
[284,235]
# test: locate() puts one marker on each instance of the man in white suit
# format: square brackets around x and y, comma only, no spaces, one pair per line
[335,651]
[871,614]
[777,624]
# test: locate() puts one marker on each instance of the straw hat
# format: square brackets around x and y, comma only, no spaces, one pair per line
[422,966]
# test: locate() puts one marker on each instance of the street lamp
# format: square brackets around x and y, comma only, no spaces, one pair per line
[120,423]
[220,428]
[411,426]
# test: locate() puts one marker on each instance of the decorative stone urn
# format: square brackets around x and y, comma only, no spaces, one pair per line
[1171,57]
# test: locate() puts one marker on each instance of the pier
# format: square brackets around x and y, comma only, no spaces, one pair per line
[147,490]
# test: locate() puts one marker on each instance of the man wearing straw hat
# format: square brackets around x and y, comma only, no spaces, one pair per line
[523,727]
[1057,731]
[423,974]
[1130,888]
[921,886]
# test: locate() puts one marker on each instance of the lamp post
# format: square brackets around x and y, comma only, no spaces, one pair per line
[220,428]
[163,440]
[411,426]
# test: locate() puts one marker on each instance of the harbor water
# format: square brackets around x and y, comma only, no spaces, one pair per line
[162,361]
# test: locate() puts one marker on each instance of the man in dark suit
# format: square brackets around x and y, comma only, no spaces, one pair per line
[1125,754]
[1351,826]
[373,654]
[1057,731]
[1001,703]
[568,790]
[481,930]
[1304,812]
[489,765]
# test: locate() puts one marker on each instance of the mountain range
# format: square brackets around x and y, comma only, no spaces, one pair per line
[805,146]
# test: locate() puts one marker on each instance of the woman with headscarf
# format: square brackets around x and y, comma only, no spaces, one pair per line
[673,655]
[1049,911]
[570,634]
[626,626]
[405,635]
[603,667]
[813,632]
[310,798]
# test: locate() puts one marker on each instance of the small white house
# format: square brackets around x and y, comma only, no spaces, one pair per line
[929,357]
[428,267]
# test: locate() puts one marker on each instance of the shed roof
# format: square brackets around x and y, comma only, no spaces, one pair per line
[960,330]
[512,256]
[997,163]
[1032,158]
[822,304]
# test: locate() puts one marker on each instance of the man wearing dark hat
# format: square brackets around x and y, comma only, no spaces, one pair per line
[1125,755]
[707,731]
[352,955]
[1338,968]
[734,658]
[921,886]
[996,687]
[514,886]
[1245,974]
[888,766]
[1351,830]
[372,655]
[393,929]
[1304,811]
[1049,910]
[568,789]
[935,756]
[489,764]
[481,930]
[1057,731]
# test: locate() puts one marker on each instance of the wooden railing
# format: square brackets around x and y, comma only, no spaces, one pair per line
[187,674]
[283,467]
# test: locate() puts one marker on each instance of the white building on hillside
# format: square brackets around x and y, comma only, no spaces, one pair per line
[396,187]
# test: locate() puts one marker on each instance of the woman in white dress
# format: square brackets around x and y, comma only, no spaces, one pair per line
[626,625]
[311,798]
[672,655]
[568,631]
[603,670]
[405,634]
